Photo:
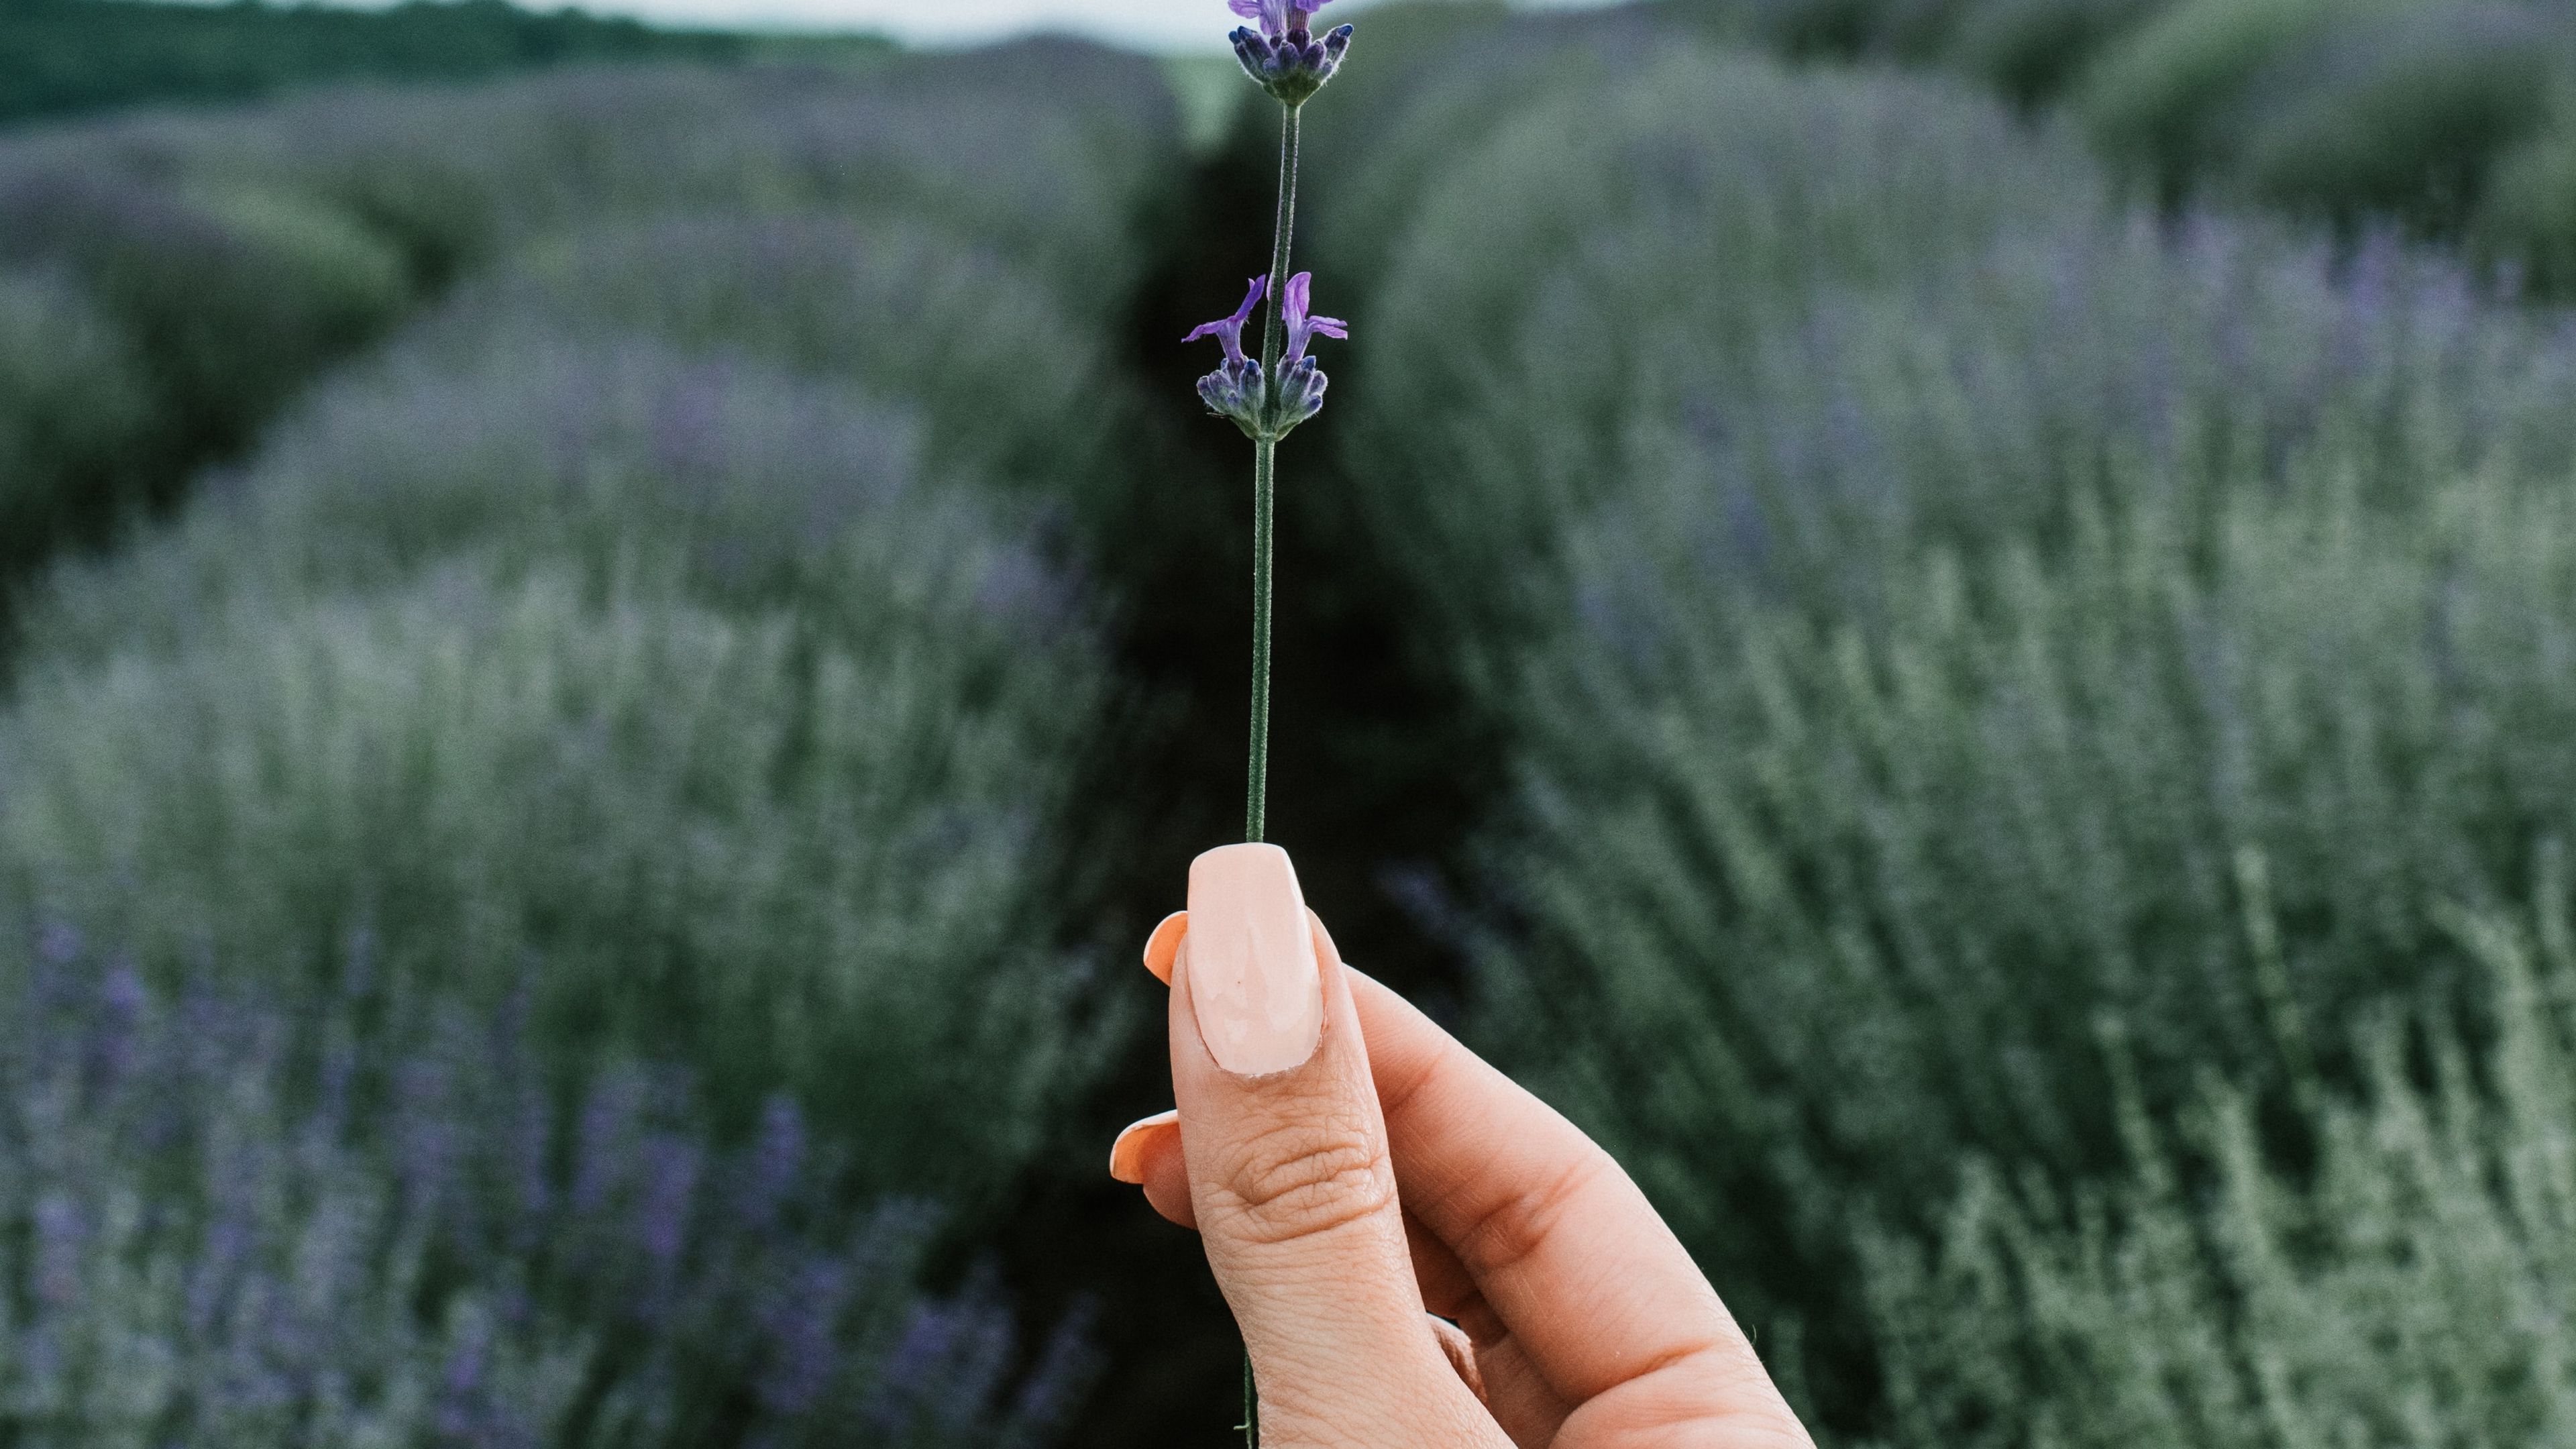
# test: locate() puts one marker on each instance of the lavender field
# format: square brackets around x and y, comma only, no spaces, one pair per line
[1957,638]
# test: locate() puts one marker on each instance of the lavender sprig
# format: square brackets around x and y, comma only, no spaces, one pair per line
[1269,396]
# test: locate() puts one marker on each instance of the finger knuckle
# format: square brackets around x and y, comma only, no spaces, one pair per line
[1518,1226]
[1298,1179]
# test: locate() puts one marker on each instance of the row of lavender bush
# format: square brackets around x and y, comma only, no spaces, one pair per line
[2403,1280]
[237,1217]
[2455,118]
[663,638]
[1934,614]
[189,272]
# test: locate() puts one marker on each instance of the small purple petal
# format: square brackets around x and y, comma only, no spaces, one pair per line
[1230,330]
[1302,327]
[1271,15]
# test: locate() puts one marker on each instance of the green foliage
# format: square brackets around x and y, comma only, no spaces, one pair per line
[666,610]
[66,56]
[232,1227]
[790,831]
[2528,224]
[2365,113]
[1442,75]
[71,402]
[2401,116]
[2160,97]
[1907,587]
[227,299]
[2405,1284]
[1047,153]
[1831,903]
[2030,49]
[1559,272]
[789,862]
[237,256]
[898,307]
[664,633]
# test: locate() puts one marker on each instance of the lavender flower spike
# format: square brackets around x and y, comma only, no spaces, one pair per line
[1303,327]
[1235,390]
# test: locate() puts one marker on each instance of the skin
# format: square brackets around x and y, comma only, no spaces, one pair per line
[1421,1253]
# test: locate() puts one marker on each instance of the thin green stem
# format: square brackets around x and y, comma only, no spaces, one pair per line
[1274,338]
[1265,455]
[1265,466]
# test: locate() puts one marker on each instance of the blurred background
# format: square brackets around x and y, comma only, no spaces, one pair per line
[1953,622]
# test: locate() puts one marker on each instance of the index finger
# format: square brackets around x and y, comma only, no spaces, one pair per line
[1543,1219]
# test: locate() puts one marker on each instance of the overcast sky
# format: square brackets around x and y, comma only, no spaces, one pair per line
[1159,24]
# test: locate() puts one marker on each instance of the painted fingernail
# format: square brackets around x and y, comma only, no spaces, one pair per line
[1127,1154]
[1164,944]
[1253,979]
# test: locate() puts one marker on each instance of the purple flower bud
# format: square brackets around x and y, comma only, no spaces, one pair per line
[1234,391]
[1301,392]
[1283,57]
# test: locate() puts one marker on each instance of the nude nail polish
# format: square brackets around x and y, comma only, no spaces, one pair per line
[1251,956]
[1164,944]
[1127,1154]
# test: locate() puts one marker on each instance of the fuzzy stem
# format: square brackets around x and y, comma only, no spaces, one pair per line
[1265,467]
[1265,452]
[1265,456]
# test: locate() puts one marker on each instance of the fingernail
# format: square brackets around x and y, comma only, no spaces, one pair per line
[1127,1154]
[1253,980]
[1164,944]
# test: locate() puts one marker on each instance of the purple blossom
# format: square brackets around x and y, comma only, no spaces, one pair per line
[1277,17]
[1294,65]
[1303,327]
[1229,330]
[298,1288]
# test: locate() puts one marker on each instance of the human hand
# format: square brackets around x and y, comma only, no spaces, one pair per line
[1353,1170]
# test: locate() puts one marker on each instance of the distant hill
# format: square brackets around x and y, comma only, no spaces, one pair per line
[60,57]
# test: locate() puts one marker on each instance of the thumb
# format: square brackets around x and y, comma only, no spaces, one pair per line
[1289,1174]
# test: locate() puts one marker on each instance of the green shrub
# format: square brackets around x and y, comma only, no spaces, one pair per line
[2528,221]
[1902,586]
[675,675]
[1443,76]
[64,56]
[899,308]
[1580,269]
[231,299]
[71,406]
[780,859]
[1049,154]
[253,1218]
[1830,903]
[2159,99]
[243,253]
[2403,1280]
[2400,116]
[2031,49]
